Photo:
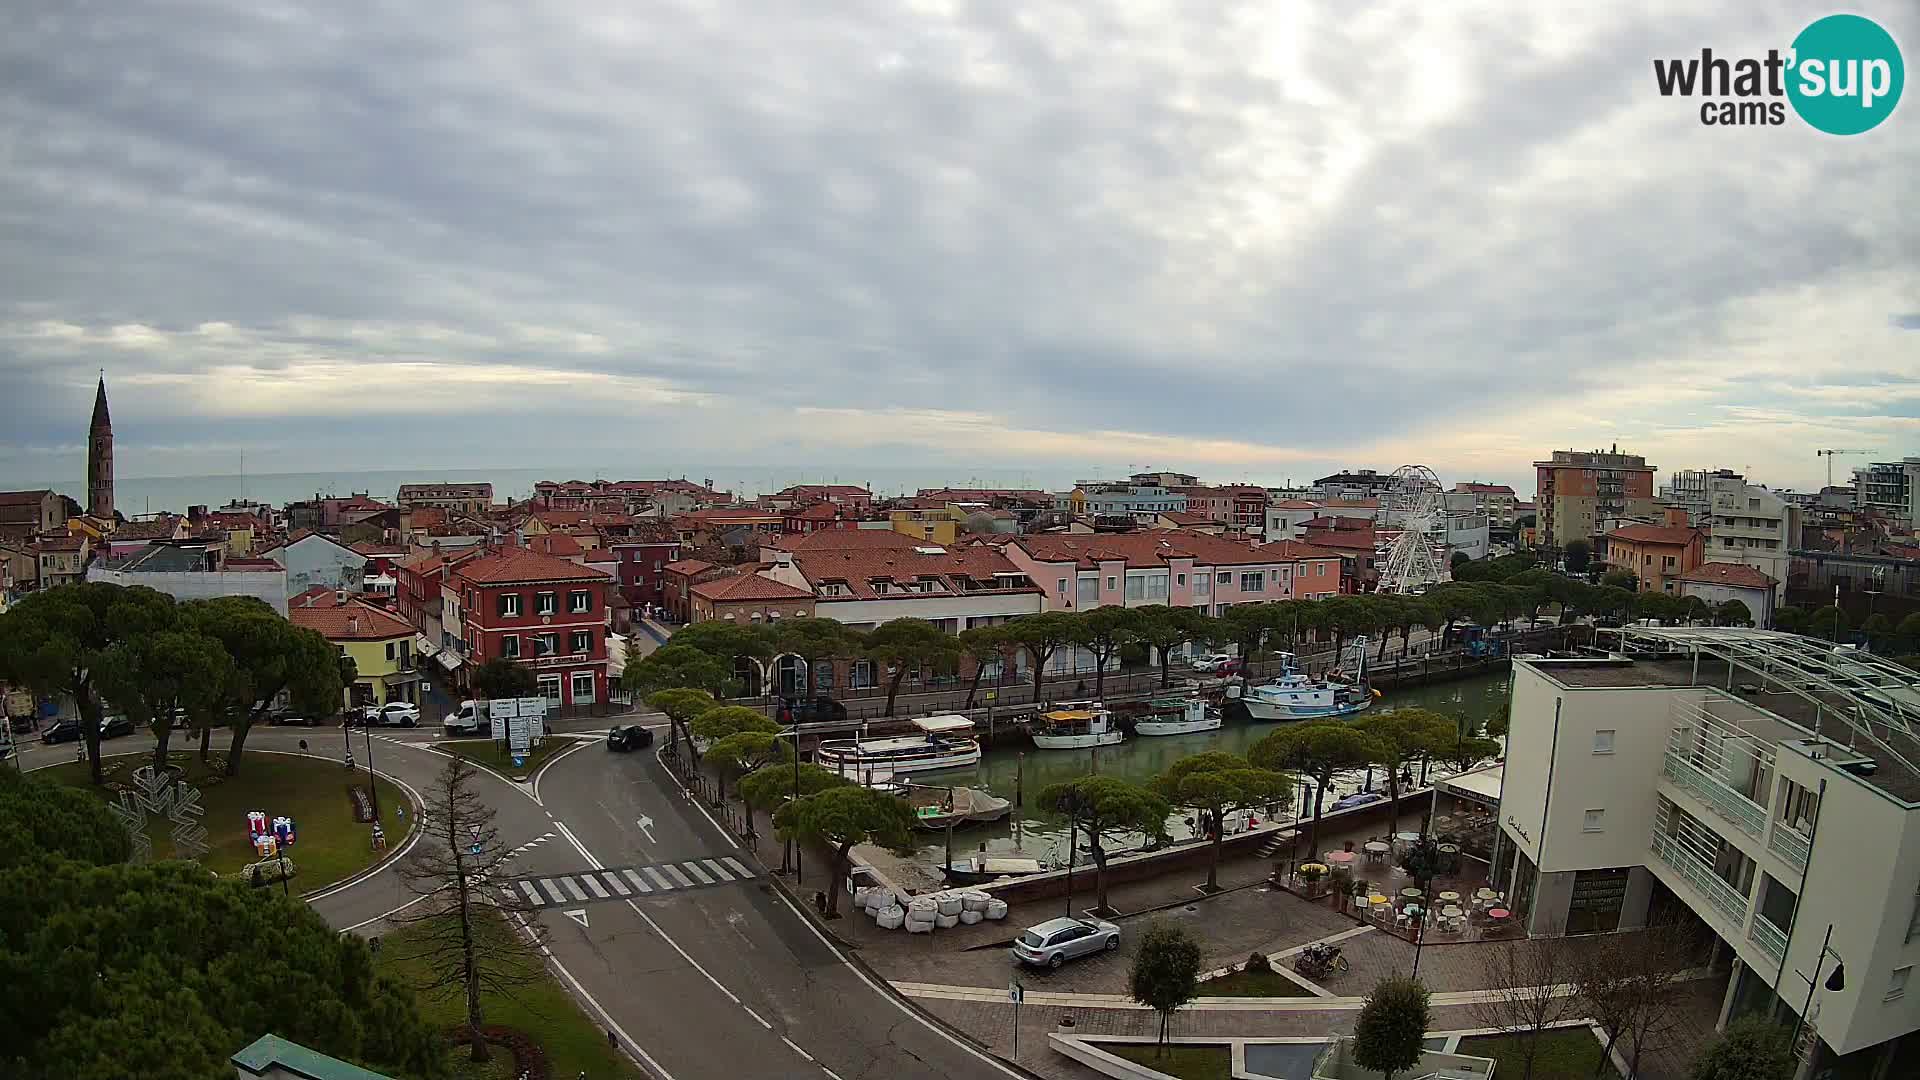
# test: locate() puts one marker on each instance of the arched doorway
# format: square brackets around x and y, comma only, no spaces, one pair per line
[789,675]
[746,672]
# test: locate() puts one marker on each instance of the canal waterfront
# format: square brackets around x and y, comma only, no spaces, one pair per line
[1032,834]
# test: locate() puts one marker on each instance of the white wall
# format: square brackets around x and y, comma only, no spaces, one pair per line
[973,605]
[270,586]
[315,560]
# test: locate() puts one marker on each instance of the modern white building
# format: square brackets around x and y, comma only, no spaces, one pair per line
[1890,487]
[1766,783]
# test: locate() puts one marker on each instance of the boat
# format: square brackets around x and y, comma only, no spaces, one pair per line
[982,869]
[1174,716]
[1296,696]
[944,742]
[937,808]
[1076,725]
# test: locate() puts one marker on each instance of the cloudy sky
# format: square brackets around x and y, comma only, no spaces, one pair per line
[1249,240]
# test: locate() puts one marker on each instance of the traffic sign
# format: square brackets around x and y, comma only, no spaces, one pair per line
[991,694]
[1015,992]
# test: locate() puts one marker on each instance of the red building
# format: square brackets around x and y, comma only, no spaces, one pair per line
[642,558]
[546,613]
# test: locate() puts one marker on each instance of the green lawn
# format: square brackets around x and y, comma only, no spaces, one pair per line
[493,755]
[329,844]
[1564,1054]
[542,1010]
[1186,1062]
[1253,984]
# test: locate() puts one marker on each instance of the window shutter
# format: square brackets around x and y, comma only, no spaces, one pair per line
[501,603]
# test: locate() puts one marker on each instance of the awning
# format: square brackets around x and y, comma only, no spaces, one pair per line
[1481,785]
[425,647]
[449,660]
[935,725]
[401,678]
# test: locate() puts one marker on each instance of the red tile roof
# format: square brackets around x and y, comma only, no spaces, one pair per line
[848,540]
[858,569]
[158,529]
[748,587]
[557,544]
[1677,535]
[1295,504]
[319,609]
[689,567]
[1347,540]
[1735,574]
[827,490]
[1181,517]
[60,543]
[601,555]
[373,549]
[1484,489]
[517,564]
[1144,548]
[1294,550]
[24,498]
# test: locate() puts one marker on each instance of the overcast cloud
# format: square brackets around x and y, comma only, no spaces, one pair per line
[1249,240]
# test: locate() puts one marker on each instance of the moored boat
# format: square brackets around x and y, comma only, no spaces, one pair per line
[1176,716]
[981,869]
[944,742]
[1296,696]
[1076,725]
[936,808]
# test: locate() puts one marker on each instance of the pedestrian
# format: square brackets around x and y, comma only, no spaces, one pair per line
[303,746]
[613,1041]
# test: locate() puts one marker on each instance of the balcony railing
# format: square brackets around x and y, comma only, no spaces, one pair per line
[1771,939]
[1721,895]
[1736,808]
[1786,842]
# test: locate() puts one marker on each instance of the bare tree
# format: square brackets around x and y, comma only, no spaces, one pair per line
[462,927]
[1630,982]
[1531,985]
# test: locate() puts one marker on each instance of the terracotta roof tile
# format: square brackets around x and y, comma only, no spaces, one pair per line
[1735,574]
[748,587]
[517,564]
[1294,550]
[859,569]
[1677,535]
[1295,504]
[354,620]
[689,567]
[1145,548]
[23,498]
[848,540]
[557,544]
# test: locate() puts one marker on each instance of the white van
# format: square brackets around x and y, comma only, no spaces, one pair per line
[467,721]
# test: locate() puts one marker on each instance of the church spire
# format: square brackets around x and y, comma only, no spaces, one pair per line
[100,456]
[102,420]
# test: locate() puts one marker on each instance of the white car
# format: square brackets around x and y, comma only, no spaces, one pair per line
[397,714]
[467,721]
[1212,662]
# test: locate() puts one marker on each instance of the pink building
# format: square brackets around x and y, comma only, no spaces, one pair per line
[1162,566]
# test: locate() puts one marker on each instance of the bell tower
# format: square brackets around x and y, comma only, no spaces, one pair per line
[100,456]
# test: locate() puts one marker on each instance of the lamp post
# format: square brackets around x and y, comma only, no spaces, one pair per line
[1836,981]
[373,788]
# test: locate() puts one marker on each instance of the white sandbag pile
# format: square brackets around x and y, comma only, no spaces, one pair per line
[996,908]
[891,917]
[969,916]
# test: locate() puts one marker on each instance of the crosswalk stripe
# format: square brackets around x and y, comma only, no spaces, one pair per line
[677,875]
[637,883]
[658,878]
[737,868]
[694,869]
[552,890]
[618,885]
[716,868]
[572,889]
[594,886]
[533,894]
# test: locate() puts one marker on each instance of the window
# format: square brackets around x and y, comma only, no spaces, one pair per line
[579,602]
[1603,741]
[1062,589]
[1136,587]
[510,604]
[510,646]
[390,646]
[1157,586]
[545,603]
[550,688]
[1897,986]
[583,687]
[861,677]
[1226,577]
[657,566]
[1089,592]
[1110,584]
[1254,582]
[546,644]
[582,641]
[1592,821]
[1202,584]
[1319,569]
[1179,579]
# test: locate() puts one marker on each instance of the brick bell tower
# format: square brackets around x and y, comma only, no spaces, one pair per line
[100,456]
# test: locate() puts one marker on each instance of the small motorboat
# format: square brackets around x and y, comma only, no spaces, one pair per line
[1296,696]
[936,808]
[1175,716]
[1076,725]
[982,869]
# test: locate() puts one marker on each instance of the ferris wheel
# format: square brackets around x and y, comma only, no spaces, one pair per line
[1416,558]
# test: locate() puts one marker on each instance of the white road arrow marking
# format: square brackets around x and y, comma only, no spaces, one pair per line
[646,826]
[578,915]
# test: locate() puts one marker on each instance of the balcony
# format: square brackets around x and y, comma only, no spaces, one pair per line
[1735,808]
[1724,897]
[1771,939]
[1787,842]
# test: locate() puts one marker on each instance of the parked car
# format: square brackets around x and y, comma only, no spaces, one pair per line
[1213,662]
[1057,941]
[115,726]
[290,718]
[397,714]
[467,721]
[629,737]
[60,731]
[1359,798]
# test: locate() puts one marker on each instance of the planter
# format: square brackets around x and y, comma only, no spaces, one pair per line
[1065,1027]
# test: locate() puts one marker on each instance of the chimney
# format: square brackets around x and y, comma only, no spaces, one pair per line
[340,596]
[1677,517]
[353,624]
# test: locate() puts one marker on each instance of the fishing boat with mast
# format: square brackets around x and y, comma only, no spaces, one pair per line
[1170,716]
[1294,695]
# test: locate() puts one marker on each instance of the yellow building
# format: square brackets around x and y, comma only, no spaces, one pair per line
[380,643]
[941,526]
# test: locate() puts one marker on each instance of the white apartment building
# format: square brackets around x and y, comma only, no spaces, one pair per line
[1890,487]
[1769,784]
[1751,525]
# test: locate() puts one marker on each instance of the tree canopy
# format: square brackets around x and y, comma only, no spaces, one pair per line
[1103,632]
[1217,783]
[1042,635]
[1166,971]
[842,816]
[769,787]
[1407,735]
[503,678]
[1388,1037]
[1099,806]
[1318,749]
[723,720]
[1751,1048]
[903,645]
[270,655]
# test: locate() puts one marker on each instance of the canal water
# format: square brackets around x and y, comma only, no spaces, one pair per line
[1036,835]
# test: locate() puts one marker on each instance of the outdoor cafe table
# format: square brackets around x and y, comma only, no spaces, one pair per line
[1486,894]
[1450,897]
[1340,858]
[1379,847]
[1498,914]
[1407,837]
[1449,849]
[1377,900]
[1412,893]
[1451,911]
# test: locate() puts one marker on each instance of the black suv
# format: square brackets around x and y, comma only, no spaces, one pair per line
[811,710]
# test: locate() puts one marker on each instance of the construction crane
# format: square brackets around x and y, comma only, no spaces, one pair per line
[1828,454]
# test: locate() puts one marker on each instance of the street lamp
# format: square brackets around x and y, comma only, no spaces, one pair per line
[1836,981]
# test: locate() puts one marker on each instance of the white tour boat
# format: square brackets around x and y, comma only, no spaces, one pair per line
[1076,725]
[1177,716]
[944,742]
